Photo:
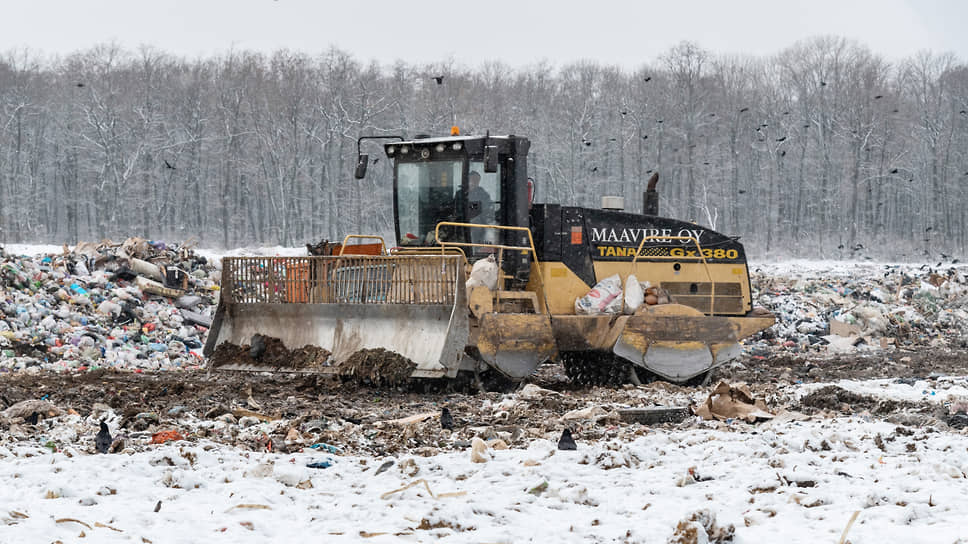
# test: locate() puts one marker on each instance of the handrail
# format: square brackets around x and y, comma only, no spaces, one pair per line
[348,237]
[698,257]
[530,247]
[426,250]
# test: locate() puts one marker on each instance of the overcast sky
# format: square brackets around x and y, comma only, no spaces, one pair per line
[517,32]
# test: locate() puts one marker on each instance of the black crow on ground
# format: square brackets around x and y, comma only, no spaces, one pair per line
[102,441]
[446,420]
[566,442]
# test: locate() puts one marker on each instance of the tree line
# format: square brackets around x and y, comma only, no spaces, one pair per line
[823,150]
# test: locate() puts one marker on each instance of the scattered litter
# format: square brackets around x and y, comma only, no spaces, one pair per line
[386,464]
[106,526]
[72,520]
[326,463]
[538,489]
[853,518]
[410,420]
[728,402]
[27,408]
[427,486]
[478,450]
[653,415]
[700,527]
[250,507]
[326,447]
[166,436]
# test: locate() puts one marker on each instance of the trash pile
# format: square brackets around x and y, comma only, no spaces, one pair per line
[139,304]
[844,308]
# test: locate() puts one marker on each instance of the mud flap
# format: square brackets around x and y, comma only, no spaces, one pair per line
[515,344]
[678,342]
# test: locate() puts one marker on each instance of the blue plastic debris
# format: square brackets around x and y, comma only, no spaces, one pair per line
[326,463]
[326,447]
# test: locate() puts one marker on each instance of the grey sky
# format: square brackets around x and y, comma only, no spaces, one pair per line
[517,32]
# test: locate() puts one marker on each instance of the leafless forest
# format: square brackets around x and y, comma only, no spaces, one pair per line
[825,149]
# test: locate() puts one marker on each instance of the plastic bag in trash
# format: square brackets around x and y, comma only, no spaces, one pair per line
[604,298]
[484,272]
[634,294]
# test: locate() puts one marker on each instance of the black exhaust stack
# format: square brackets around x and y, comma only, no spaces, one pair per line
[650,198]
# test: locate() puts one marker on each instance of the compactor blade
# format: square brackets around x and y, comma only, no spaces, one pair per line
[404,305]
[515,344]
[678,342]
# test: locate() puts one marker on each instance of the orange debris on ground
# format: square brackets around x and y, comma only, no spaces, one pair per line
[165,436]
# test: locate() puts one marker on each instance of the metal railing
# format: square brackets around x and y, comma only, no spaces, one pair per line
[500,247]
[347,279]
[429,250]
[697,257]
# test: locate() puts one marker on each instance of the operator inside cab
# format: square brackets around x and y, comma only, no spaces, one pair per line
[429,192]
[478,207]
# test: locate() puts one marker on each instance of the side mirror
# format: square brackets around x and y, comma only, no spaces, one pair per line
[361,163]
[490,159]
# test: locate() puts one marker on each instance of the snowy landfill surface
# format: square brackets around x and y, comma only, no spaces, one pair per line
[869,424]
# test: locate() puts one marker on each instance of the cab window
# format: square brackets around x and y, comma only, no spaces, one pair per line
[426,194]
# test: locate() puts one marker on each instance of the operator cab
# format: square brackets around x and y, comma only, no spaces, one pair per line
[449,187]
[462,179]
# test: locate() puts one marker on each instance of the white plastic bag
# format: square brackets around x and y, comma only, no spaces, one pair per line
[484,272]
[634,294]
[604,298]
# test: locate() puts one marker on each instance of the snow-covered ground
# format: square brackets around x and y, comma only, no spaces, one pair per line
[795,477]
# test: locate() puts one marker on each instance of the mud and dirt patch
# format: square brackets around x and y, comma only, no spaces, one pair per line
[837,399]
[378,367]
[270,353]
[808,368]
[354,416]
[25,349]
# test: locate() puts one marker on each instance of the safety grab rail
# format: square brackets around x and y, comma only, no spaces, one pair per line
[427,250]
[698,257]
[529,247]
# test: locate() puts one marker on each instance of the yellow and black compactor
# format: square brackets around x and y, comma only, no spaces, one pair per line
[459,200]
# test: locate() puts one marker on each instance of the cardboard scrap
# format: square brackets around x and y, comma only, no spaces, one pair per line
[410,420]
[732,402]
[590,412]
[26,408]
[844,329]
[155,288]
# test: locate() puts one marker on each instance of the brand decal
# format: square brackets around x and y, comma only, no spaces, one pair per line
[631,236]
